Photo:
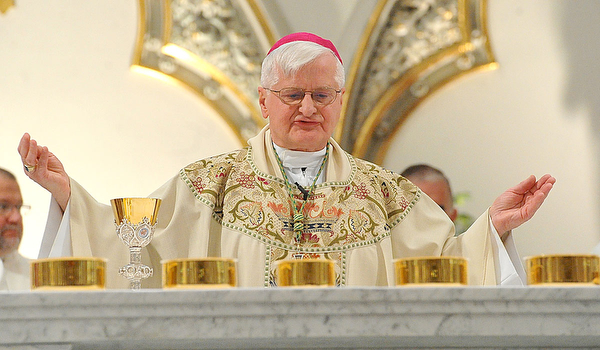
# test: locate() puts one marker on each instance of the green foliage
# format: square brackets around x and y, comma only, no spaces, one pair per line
[463,220]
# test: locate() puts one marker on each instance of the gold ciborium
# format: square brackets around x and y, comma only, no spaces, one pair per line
[431,271]
[306,273]
[135,219]
[199,273]
[75,273]
[563,270]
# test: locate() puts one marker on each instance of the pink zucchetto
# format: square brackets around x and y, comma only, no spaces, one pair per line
[303,36]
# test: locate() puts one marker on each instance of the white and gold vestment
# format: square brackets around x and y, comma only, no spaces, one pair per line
[236,205]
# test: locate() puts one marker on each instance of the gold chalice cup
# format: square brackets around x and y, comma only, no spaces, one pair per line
[199,273]
[305,272]
[562,270]
[135,220]
[75,273]
[431,271]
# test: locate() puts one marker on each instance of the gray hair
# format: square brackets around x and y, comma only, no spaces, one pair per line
[290,57]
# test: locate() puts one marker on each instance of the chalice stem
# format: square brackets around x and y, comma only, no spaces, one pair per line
[135,284]
[135,255]
[135,258]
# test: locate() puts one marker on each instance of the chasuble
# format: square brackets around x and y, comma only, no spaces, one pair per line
[236,205]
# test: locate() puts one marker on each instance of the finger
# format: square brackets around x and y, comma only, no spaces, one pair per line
[542,180]
[525,185]
[43,160]
[32,154]
[545,180]
[536,200]
[23,147]
[535,203]
[551,179]
[545,189]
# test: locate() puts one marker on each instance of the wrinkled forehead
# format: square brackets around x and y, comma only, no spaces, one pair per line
[318,74]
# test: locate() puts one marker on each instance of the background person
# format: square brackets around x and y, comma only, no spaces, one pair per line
[435,184]
[14,268]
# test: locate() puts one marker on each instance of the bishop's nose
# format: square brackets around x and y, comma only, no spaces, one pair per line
[307,106]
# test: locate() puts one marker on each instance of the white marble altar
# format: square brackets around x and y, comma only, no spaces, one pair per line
[303,318]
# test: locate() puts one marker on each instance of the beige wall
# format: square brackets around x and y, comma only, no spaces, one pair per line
[538,113]
[64,78]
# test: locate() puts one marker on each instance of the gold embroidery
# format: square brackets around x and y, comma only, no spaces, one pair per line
[359,213]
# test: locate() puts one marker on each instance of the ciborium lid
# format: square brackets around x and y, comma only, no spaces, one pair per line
[210,272]
[563,269]
[306,273]
[68,273]
[431,271]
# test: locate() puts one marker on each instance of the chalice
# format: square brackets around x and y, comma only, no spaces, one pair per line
[135,220]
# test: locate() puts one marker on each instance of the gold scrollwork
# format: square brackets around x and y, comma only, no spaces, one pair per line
[213,47]
[410,49]
[5,5]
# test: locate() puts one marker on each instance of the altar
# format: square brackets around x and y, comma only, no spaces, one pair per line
[303,318]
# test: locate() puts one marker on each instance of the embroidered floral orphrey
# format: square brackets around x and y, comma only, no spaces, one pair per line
[340,216]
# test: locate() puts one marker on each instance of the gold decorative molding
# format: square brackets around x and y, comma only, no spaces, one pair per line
[410,49]
[5,5]
[215,48]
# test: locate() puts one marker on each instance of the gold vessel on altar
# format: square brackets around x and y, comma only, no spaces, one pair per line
[199,273]
[563,270]
[73,273]
[305,272]
[135,210]
[431,271]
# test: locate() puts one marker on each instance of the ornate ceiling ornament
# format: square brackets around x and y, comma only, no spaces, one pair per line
[213,47]
[410,49]
[5,5]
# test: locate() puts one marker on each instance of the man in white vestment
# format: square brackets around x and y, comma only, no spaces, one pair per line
[292,193]
[14,268]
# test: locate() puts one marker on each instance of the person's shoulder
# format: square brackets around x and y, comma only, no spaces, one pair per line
[394,191]
[15,261]
[227,158]
[207,177]
[214,169]
[376,170]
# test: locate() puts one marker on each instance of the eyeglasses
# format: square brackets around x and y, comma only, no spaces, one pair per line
[6,208]
[292,96]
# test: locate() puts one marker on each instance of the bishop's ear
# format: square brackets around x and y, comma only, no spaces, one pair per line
[262,97]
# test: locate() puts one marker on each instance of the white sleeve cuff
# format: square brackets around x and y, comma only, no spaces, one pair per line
[509,269]
[56,241]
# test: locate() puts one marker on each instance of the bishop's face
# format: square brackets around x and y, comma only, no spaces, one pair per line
[305,126]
